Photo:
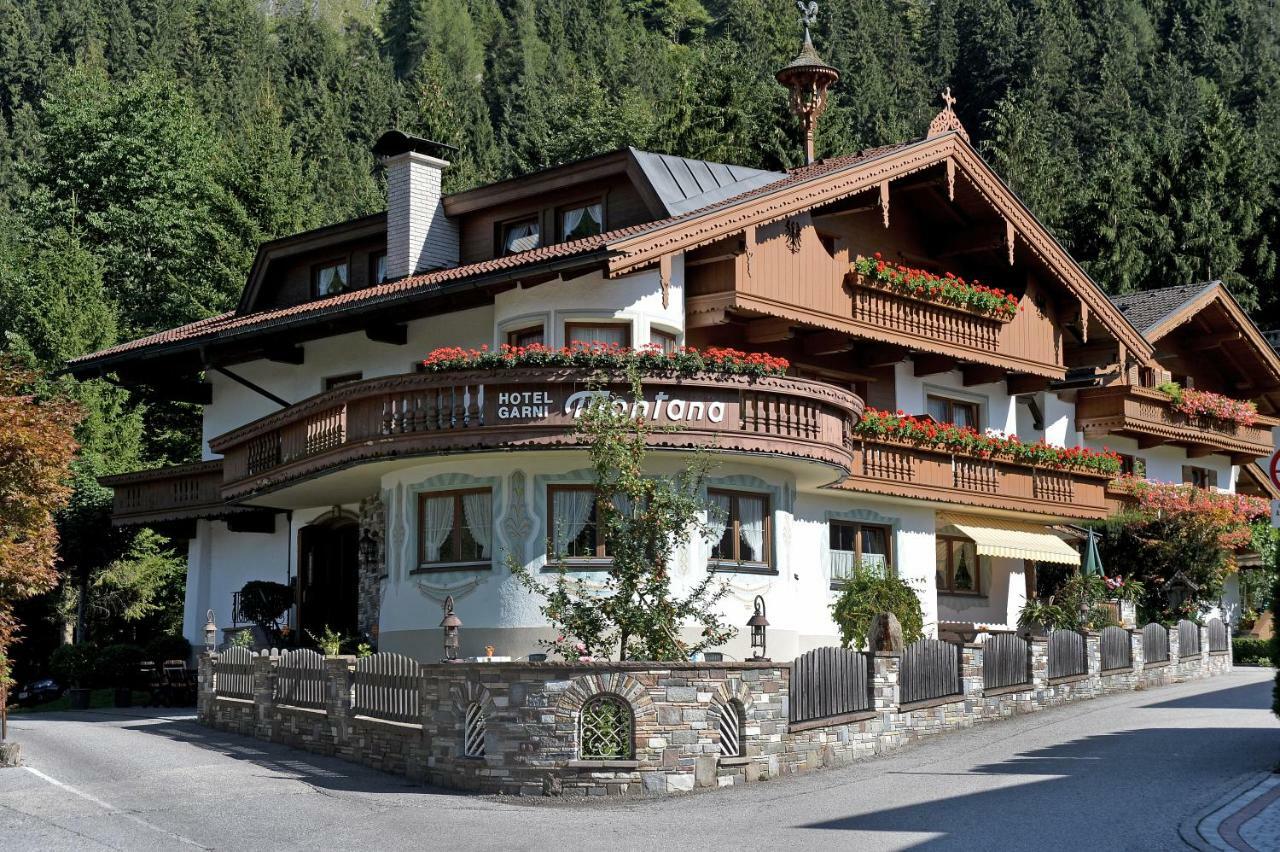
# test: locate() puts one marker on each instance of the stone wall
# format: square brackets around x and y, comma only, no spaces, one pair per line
[532,715]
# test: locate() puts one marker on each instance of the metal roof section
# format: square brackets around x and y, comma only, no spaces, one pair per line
[684,185]
[1145,309]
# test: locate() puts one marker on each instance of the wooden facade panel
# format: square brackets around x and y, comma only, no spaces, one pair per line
[1034,333]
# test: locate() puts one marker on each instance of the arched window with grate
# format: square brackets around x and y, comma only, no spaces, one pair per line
[605,728]
[732,722]
[473,733]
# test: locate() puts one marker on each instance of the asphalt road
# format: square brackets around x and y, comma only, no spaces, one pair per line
[1117,773]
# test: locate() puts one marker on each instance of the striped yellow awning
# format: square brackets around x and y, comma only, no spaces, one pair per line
[1012,539]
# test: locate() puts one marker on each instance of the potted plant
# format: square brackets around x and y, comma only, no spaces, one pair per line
[75,664]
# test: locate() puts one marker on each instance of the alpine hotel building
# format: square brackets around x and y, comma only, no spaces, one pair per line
[334,463]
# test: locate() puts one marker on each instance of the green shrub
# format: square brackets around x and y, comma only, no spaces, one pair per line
[119,665]
[1248,651]
[864,596]
[73,664]
[174,647]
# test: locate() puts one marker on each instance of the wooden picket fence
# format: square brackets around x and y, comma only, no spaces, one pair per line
[1117,651]
[930,669]
[233,673]
[1188,639]
[828,682]
[1006,661]
[1067,654]
[300,679]
[1218,637]
[387,687]
[1155,643]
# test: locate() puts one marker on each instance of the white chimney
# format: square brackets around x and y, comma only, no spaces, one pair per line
[419,235]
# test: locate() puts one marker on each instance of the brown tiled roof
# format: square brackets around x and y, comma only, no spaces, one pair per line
[427,283]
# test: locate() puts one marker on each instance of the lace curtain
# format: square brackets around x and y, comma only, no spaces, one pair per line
[751,524]
[717,521]
[437,523]
[522,237]
[572,511]
[478,509]
[573,219]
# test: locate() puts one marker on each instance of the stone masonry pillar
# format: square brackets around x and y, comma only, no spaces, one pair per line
[337,697]
[1204,651]
[886,668]
[1093,660]
[204,688]
[264,693]
[1137,654]
[971,656]
[1174,657]
[1039,665]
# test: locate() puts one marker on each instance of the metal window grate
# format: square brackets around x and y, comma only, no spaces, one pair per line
[605,729]
[473,739]
[731,730]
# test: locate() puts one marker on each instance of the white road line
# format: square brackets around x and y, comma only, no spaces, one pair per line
[107,806]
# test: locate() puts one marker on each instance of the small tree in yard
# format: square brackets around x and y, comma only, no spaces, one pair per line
[644,519]
[36,448]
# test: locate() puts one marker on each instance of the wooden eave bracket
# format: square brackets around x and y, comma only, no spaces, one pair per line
[884,201]
[664,274]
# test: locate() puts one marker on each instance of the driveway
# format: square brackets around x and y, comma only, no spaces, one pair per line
[1121,772]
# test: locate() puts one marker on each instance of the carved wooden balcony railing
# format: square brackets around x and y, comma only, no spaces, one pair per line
[527,408]
[902,470]
[1148,416]
[883,308]
[167,494]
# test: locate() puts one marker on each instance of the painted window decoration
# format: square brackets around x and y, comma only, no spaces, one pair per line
[739,523]
[731,724]
[664,340]
[473,733]
[455,528]
[959,566]
[529,336]
[946,410]
[579,222]
[859,547]
[605,729]
[520,236]
[604,334]
[331,279]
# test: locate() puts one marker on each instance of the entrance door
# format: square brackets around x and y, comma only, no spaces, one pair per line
[328,578]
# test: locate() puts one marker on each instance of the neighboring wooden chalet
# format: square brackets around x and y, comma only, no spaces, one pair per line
[334,463]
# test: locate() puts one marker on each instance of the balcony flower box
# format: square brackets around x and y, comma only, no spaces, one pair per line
[649,360]
[946,290]
[1200,405]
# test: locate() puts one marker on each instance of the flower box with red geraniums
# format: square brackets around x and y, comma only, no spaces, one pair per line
[925,432]
[650,359]
[1233,512]
[1208,405]
[946,289]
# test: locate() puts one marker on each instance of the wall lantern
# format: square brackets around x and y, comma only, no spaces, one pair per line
[758,624]
[368,548]
[210,632]
[451,623]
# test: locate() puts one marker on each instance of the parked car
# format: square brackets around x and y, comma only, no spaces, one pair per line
[38,692]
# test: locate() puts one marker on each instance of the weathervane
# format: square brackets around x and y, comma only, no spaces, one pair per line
[808,15]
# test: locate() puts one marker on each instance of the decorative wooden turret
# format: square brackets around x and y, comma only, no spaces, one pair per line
[808,78]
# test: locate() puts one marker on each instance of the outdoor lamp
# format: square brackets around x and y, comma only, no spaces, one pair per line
[451,623]
[210,632]
[758,623]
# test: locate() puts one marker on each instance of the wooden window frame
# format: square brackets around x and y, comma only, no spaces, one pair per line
[572,324]
[1190,472]
[513,335]
[952,402]
[459,519]
[501,232]
[328,383]
[858,527]
[562,209]
[343,260]
[601,556]
[374,257]
[976,591]
[733,529]
[670,335]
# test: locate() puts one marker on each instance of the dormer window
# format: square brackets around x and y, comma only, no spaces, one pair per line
[584,221]
[520,236]
[330,279]
[378,267]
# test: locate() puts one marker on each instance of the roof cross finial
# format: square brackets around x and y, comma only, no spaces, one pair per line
[947,121]
[808,15]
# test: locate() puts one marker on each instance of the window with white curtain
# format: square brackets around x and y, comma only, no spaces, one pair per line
[455,528]
[603,333]
[584,221]
[573,530]
[329,279]
[740,529]
[520,236]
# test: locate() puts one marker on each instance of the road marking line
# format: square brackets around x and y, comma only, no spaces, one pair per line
[107,806]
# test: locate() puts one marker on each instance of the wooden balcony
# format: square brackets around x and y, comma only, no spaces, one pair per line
[902,470]
[475,411]
[175,493]
[881,308]
[1148,416]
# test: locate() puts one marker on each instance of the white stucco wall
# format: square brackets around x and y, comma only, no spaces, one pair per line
[220,562]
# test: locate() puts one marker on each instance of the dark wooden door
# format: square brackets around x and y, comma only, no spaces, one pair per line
[328,579]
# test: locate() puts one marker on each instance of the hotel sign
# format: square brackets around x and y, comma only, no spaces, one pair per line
[663,407]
